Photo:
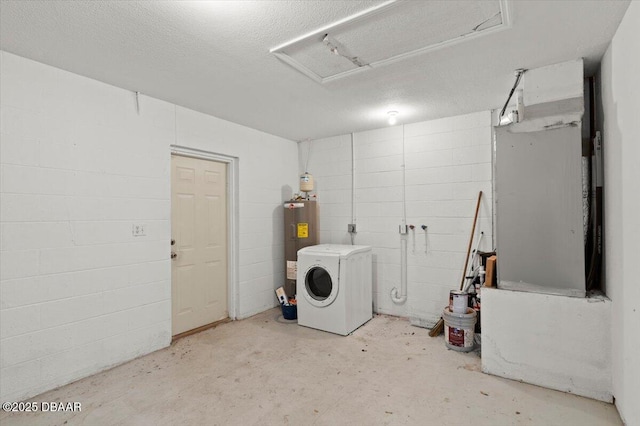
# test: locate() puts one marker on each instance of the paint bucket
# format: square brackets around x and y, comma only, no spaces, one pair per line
[459,329]
[290,312]
[458,301]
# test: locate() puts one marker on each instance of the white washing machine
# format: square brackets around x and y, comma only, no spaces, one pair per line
[334,287]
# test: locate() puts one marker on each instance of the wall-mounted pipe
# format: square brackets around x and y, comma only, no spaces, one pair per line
[426,242]
[353,190]
[137,102]
[402,296]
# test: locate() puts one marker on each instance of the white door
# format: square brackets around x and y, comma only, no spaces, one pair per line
[199,243]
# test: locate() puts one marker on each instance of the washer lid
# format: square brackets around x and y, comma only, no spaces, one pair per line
[341,250]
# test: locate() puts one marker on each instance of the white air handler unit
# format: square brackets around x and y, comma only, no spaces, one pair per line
[334,287]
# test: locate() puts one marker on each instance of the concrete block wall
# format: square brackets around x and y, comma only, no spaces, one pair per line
[78,168]
[558,342]
[447,162]
[329,161]
[621,149]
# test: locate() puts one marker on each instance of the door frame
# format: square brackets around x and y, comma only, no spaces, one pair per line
[232,218]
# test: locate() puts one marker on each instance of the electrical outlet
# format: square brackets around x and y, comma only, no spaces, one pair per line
[138,230]
[403,229]
[351,228]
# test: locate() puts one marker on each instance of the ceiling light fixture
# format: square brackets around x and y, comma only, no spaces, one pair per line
[393,117]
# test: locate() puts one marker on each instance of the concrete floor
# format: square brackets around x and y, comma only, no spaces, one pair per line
[263,370]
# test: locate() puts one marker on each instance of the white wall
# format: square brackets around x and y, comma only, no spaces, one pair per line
[558,342]
[621,150]
[79,167]
[447,162]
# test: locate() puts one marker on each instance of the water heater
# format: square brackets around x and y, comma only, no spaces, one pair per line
[300,230]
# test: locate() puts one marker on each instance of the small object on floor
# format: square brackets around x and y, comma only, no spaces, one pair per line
[478,339]
[477,349]
[282,296]
[289,312]
[437,329]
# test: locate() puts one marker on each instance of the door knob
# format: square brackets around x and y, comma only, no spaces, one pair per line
[174,254]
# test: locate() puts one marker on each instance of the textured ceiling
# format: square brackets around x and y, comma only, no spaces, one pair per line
[214,57]
[356,43]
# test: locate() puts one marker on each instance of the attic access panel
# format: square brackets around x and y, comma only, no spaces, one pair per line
[390,32]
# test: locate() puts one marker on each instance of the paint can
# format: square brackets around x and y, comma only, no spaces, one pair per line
[458,301]
[459,329]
